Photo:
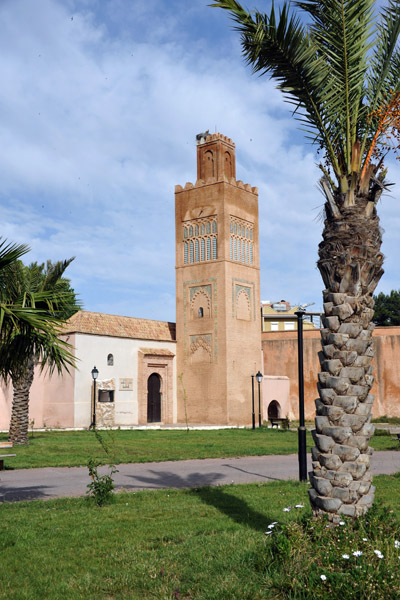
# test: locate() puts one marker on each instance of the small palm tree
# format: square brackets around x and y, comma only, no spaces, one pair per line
[341,73]
[36,302]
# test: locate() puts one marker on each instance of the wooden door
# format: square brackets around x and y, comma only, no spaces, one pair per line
[154,398]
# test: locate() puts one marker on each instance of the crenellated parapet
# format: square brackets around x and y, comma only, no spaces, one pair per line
[219,136]
[211,180]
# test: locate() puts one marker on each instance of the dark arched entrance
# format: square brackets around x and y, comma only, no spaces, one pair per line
[154,398]
[274,410]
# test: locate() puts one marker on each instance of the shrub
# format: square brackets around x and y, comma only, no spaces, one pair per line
[102,486]
[357,559]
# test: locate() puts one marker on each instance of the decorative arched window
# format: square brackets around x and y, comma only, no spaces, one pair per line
[110,360]
[241,250]
[191,252]
[200,240]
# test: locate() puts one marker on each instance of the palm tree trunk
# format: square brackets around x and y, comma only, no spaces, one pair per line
[18,433]
[351,265]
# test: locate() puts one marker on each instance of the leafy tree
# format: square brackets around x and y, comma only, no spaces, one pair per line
[341,74]
[387,308]
[40,292]
[33,315]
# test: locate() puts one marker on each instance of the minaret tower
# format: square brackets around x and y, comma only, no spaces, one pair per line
[217,289]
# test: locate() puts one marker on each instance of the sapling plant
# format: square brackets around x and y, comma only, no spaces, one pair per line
[101,486]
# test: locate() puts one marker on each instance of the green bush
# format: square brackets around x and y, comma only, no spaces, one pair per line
[386,419]
[102,486]
[381,432]
[358,559]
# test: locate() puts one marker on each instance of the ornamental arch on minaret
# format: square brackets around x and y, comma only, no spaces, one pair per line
[215,158]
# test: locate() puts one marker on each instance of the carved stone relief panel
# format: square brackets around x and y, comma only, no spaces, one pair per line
[200,305]
[201,349]
[200,302]
[243,300]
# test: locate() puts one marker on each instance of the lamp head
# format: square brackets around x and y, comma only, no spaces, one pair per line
[95,373]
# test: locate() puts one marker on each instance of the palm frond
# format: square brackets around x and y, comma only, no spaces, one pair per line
[284,50]
[35,302]
[10,252]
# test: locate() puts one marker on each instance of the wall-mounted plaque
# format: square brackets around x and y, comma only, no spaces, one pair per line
[126,384]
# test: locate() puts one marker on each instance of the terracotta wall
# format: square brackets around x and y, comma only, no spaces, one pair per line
[280,358]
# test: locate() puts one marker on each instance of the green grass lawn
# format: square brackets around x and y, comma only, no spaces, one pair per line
[74,448]
[203,544]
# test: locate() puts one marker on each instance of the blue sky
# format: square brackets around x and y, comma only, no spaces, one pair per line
[100,104]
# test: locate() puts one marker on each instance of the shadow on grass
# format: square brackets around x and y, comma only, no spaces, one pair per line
[233,507]
[199,485]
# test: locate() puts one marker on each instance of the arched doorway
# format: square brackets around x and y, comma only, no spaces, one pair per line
[154,398]
[274,410]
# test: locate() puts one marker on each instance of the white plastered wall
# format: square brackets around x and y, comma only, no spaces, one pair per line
[93,350]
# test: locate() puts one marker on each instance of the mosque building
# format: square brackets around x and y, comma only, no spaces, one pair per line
[201,370]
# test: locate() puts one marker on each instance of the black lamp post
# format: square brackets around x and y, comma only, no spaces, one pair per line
[259,378]
[252,401]
[95,374]
[301,430]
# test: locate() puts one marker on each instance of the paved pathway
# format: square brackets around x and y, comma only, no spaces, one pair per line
[51,482]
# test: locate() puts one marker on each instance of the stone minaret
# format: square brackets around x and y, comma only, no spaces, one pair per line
[217,289]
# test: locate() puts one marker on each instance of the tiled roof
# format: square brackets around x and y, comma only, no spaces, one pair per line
[156,351]
[116,326]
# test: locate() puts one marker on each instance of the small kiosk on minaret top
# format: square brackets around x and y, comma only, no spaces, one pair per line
[218,327]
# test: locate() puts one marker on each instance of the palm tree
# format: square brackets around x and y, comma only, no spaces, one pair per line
[341,73]
[16,317]
[44,294]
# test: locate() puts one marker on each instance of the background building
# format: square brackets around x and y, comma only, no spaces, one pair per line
[280,316]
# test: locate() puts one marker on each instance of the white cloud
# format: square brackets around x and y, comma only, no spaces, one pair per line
[101,102]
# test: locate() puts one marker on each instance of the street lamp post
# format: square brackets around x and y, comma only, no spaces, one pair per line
[95,374]
[259,378]
[252,401]
[301,430]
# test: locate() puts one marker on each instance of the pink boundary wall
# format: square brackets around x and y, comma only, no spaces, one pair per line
[52,398]
[51,402]
[280,358]
[276,387]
